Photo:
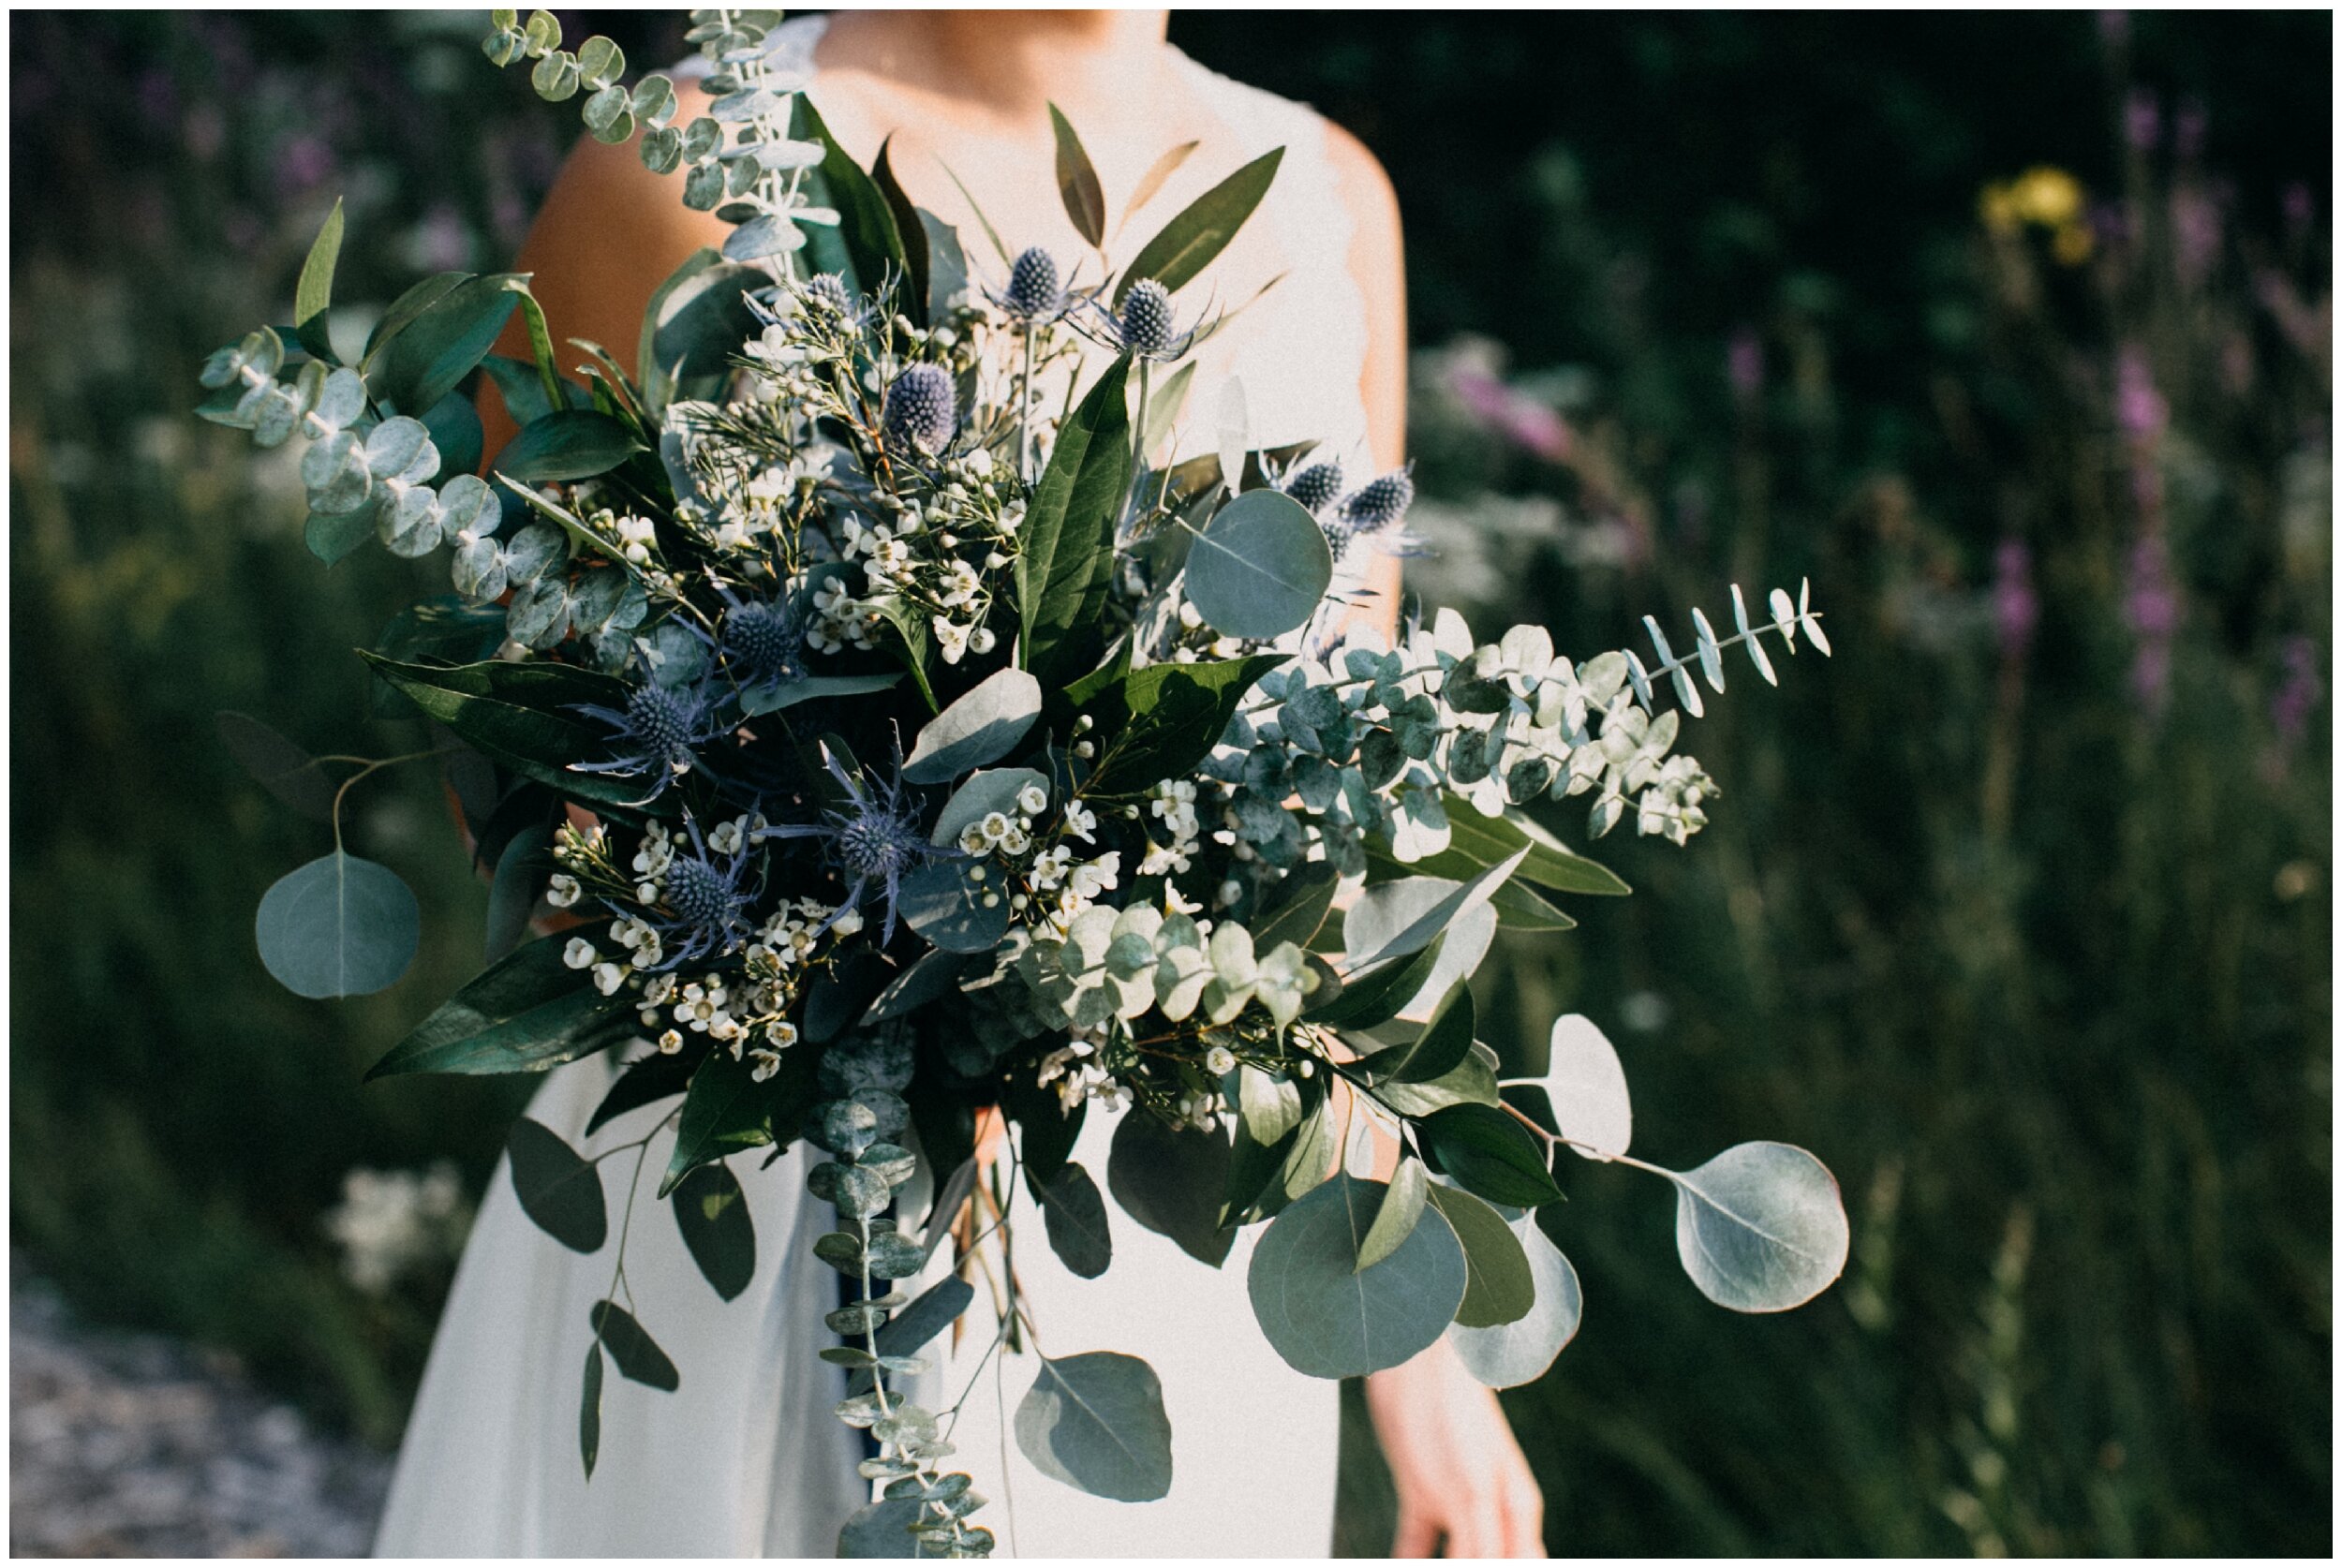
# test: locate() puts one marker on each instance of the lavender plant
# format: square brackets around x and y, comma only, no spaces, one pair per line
[1165,836]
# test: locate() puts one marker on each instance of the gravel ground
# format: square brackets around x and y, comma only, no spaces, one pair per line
[133,1445]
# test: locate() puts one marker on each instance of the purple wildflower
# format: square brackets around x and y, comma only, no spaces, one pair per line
[658,736]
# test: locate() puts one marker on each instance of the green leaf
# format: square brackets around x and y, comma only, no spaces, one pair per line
[1260,567]
[567,444]
[526,1014]
[589,1409]
[1500,1288]
[413,303]
[1096,1422]
[1252,1168]
[1076,1217]
[1161,721]
[724,1111]
[985,223]
[910,233]
[314,294]
[1393,918]
[1520,1352]
[1330,1318]
[279,766]
[636,1352]
[697,322]
[984,792]
[1066,541]
[1438,1051]
[516,713]
[425,359]
[760,699]
[1476,842]
[980,726]
[1050,1130]
[882,1530]
[339,926]
[1170,1180]
[1395,1219]
[864,238]
[929,1313]
[1271,1106]
[1586,1085]
[1077,183]
[1490,1153]
[456,431]
[558,1188]
[1760,1228]
[1188,241]
[1377,995]
[945,904]
[520,876]
[331,536]
[934,977]
[1298,907]
[645,1082]
[712,1212]
[948,264]
[1469,1082]
[523,391]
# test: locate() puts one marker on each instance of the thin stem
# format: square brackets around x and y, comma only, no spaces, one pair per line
[370,767]
[1024,400]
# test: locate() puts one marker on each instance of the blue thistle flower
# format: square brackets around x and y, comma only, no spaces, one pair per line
[1144,327]
[1315,486]
[922,410]
[658,734]
[763,642]
[1035,294]
[1379,504]
[873,837]
[702,910]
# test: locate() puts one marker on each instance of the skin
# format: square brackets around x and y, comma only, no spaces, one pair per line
[973,87]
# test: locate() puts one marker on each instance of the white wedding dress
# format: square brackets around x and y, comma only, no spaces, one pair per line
[747,1457]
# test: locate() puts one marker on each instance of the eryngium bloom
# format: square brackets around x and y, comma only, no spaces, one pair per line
[658,734]
[922,410]
[872,837]
[1315,486]
[1034,293]
[703,910]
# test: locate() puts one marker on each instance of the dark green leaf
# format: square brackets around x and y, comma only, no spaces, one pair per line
[431,354]
[980,726]
[1330,1318]
[1049,1132]
[518,715]
[1066,543]
[1490,1153]
[1441,1048]
[712,1212]
[1188,241]
[636,1352]
[864,244]
[910,233]
[1469,1082]
[589,1409]
[646,1082]
[1395,1220]
[520,876]
[457,432]
[1096,1422]
[1376,995]
[413,303]
[1160,721]
[882,1530]
[932,1311]
[948,264]
[700,320]
[331,536]
[567,444]
[526,1014]
[1076,1217]
[279,766]
[724,1111]
[558,1188]
[1296,907]
[1499,1289]
[1077,183]
[1477,842]
[1260,568]
[314,294]
[1170,1180]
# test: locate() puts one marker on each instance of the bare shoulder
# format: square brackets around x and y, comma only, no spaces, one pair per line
[1366,189]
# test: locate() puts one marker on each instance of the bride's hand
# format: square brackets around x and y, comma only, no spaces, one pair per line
[1463,1487]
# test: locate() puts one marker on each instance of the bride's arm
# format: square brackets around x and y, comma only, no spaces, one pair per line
[1463,1487]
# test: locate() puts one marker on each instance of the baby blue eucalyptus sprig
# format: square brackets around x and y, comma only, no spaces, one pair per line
[738,160]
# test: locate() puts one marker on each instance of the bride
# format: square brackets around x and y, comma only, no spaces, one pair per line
[746,1458]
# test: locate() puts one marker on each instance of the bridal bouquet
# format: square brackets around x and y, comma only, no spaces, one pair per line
[898,740]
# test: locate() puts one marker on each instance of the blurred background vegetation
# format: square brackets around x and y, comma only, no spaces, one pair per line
[2012,332]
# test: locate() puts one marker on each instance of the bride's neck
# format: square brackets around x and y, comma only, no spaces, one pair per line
[1009,63]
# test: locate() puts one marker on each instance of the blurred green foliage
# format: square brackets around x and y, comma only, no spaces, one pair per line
[2029,940]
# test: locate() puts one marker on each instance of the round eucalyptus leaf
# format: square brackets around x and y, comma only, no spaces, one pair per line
[335,472]
[944,904]
[339,926]
[1260,567]
[767,234]
[477,571]
[341,400]
[1096,1422]
[469,506]
[600,62]
[410,524]
[1330,1318]
[662,150]
[1512,1353]
[1500,1288]
[539,615]
[556,77]
[980,727]
[610,115]
[535,551]
[1761,1227]
[655,104]
[1587,1085]
[1075,1216]
[700,139]
[704,186]
[558,1188]
[1171,1180]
